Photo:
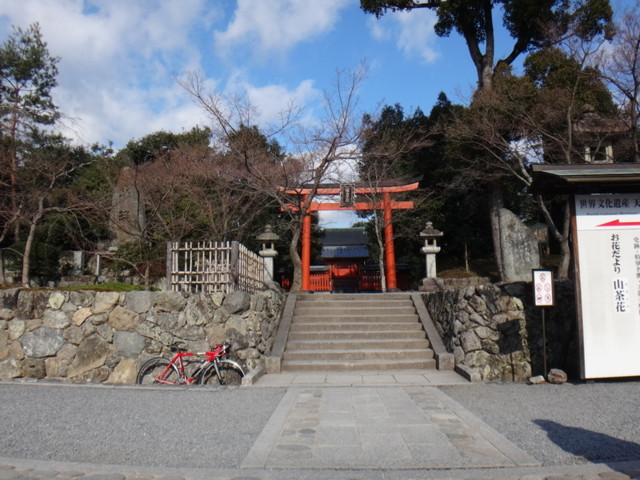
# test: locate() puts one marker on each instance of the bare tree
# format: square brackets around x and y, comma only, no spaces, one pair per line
[620,66]
[539,117]
[44,189]
[196,192]
[388,142]
[314,152]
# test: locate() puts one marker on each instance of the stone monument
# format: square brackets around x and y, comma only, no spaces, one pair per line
[127,220]
[520,251]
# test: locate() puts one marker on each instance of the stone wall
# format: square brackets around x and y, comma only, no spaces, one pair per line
[484,330]
[85,336]
[497,331]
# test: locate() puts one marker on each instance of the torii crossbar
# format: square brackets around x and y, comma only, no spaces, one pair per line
[383,190]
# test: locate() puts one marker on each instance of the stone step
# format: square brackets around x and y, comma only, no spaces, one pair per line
[358,344]
[354,366]
[356,304]
[299,326]
[303,310]
[320,297]
[404,335]
[355,318]
[350,332]
[362,354]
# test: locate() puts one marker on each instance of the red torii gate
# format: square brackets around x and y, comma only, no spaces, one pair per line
[347,194]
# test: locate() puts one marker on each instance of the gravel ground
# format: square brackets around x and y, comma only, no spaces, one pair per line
[171,427]
[216,427]
[561,424]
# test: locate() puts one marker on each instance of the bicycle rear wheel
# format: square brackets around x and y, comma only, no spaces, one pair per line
[230,374]
[158,370]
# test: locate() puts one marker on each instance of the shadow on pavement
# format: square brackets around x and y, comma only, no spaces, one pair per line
[592,446]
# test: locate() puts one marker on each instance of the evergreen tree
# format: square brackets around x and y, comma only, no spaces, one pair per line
[27,78]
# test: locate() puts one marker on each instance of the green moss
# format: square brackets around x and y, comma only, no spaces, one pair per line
[108,287]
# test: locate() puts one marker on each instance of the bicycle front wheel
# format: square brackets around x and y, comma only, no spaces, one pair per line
[158,370]
[230,374]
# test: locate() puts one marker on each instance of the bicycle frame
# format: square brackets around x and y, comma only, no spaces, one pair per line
[177,362]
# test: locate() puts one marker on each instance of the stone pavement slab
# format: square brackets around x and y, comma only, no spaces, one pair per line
[364,378]
[22,469]
[409,427]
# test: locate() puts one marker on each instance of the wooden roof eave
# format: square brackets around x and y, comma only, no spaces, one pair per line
[585,179]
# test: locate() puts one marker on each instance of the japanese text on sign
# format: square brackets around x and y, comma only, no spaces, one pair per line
[615,252]
[620,284]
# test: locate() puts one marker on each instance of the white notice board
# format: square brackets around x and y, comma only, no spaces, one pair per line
[608,239]
[543,294]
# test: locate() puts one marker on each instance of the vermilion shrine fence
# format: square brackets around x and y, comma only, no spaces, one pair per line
[213,267]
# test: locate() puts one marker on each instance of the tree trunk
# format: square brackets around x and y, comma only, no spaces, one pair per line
[147,277]
[3,278]
[485,76]
[381,247]
[565,248]
[561,236]
[26,259]
[496,203]
[296,283]
[466,256]
[26,263]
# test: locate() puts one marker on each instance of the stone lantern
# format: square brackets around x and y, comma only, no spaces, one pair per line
[430,248]
[268,252]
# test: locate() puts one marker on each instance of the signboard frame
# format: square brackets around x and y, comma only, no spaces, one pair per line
[606,245]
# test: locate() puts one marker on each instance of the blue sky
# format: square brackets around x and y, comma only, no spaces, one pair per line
[119,58]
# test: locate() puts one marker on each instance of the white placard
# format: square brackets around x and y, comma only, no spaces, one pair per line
[543,288]
[608,238]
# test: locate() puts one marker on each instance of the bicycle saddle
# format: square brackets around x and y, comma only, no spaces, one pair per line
[177,347]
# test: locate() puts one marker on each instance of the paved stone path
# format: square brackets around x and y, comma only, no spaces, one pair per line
[378,428]
[388,427]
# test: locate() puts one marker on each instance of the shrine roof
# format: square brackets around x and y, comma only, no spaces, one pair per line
[344,243]
[586,178]
[344,252]
[344,236]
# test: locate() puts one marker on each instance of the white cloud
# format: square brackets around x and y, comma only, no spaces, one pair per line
[412,30]
[271,100]
[278,25]
[117,60]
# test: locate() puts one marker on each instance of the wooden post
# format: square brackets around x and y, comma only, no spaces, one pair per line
[306,253]
[389,250]
[169,266]
[235,264]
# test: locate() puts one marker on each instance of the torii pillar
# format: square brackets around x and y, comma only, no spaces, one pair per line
[389,249]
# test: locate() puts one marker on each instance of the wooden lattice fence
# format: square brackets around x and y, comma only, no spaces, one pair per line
[213,267]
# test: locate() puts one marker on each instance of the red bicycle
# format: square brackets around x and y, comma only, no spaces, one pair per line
[215,369]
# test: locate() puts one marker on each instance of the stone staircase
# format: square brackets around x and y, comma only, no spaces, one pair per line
[356,332]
